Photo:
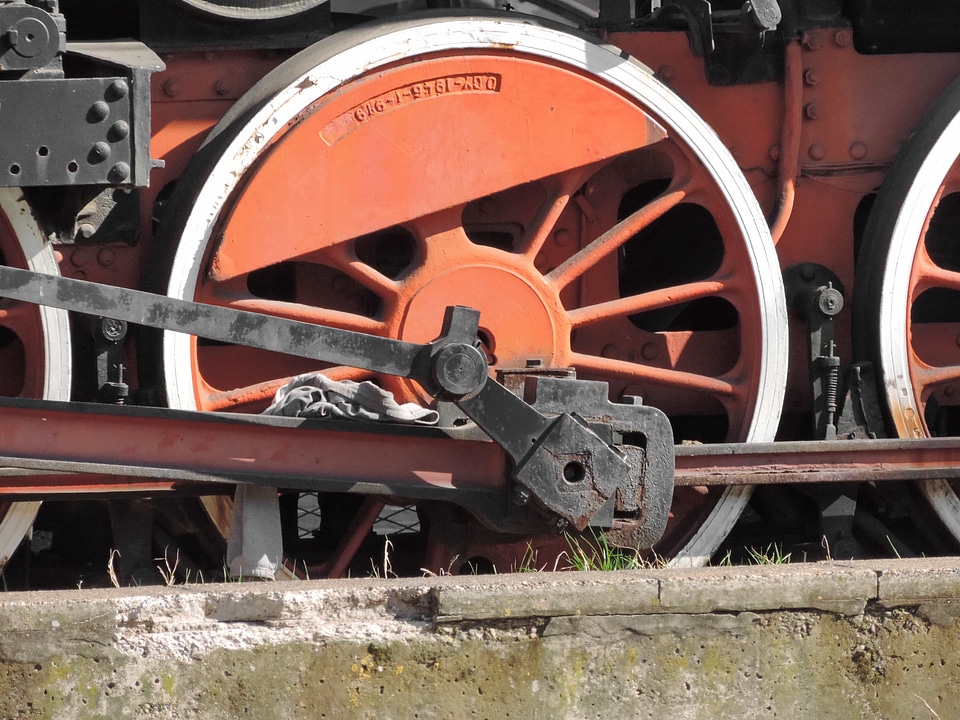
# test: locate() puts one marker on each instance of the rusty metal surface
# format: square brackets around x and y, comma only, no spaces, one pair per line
[149,449]
[821,461]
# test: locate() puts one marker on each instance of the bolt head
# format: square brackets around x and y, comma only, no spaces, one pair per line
[99,111]
[858,150]
[459,368]
[117,89]
[119,172]
[113,329]
[811,41]
[118,131]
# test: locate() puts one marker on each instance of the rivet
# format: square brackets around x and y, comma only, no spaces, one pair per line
[649,351]
[486,206]
[119,172]
[562,237]
[858,150]
[843,38]
[811,110]
[222,87]
[118,131]
[665,72]
[811,76]
[79,275]
[811,41]
[817,151]
[106,256]
[808,271]
[774,152]
[99,152]
[86,231]
[99,111]
[171,88]
[79,258]
[117,90]
[610,351]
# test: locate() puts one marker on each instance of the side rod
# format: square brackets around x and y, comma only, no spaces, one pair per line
[239,327]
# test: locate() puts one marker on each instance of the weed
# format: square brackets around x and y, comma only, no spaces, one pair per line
[726,560]
[897,553]
[449,571]
[771,555]
[387,567]
[110,571]
[599,554]
[169,572]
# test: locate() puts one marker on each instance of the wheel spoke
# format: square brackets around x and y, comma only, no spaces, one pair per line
[926,376]
[19,318]
[344,260]
[615,237]
[660,376]
[559,192]
[930,275]
[644,302]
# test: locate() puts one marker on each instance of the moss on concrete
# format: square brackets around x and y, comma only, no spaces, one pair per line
[884,663]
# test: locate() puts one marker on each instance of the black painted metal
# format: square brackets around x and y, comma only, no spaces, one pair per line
[344,347]
[567,469]
[80,130]
[31,37]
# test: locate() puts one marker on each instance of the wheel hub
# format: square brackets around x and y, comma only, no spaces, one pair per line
[517,322]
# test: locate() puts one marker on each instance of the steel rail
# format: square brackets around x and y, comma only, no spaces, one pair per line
[817,462]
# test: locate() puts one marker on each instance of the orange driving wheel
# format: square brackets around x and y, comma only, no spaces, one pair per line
[587,213]
[34,342]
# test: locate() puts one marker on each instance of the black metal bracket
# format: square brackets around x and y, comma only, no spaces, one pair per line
[815,293]
[89,129]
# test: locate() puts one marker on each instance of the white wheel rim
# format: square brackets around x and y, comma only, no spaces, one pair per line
[57,356]
[908,231]
[462,34]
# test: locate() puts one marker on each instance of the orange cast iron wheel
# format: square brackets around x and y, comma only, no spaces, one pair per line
[34,342]
[591,217]
[908,290]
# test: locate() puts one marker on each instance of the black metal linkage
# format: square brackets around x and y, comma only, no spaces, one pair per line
[240,327]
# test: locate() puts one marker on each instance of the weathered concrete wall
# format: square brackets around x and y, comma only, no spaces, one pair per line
[840,640]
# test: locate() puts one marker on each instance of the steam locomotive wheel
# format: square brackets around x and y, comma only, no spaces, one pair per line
[34,343]
[908,300]
[592,218]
